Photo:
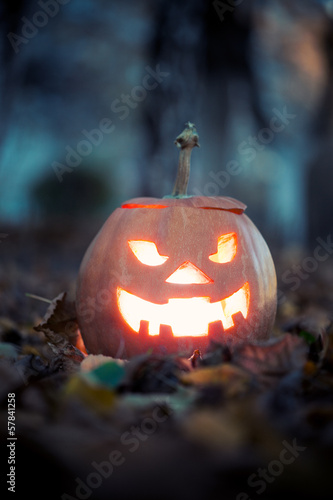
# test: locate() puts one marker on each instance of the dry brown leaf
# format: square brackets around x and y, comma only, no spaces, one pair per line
[59,323]
[60,328]
[233,379]
[313,327]
[273,359]
[215,430]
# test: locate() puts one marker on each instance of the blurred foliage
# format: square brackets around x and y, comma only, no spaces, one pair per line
[81,192]
[228,69]
[227,420]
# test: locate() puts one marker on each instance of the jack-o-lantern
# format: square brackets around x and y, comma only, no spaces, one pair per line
[174,273]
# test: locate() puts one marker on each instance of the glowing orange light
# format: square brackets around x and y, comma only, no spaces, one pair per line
[226,248]
[186,316]
[147,253]
[237,302]
[188,274]
[137,205]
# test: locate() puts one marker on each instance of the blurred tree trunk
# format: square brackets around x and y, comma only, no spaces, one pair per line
[320,180]
[11,14]
[274,51]
[205,56]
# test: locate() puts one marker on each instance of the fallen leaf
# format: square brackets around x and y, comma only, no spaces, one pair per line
[216,430]
[97,387]
[313,327]
[59,324]
[92,394]
[233,379]
[271,360]
[8,351]
[177,402]
[155,373]
[60,328]
[109,374]
[93,361]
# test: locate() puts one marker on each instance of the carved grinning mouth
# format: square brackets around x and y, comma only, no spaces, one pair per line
[185,316]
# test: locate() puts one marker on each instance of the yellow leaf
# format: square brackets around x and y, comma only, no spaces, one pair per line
[97,397]
[232,378]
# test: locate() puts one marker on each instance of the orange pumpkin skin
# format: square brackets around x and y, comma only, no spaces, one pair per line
[184,230]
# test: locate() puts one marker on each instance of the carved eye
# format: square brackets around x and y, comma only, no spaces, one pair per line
[146,252]
[226,248]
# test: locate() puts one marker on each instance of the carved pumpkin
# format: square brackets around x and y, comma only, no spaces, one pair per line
[174,273]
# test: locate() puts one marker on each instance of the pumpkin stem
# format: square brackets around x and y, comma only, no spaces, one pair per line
[196,358]
[186,141]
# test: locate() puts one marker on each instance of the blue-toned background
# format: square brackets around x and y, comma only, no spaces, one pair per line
[255,78]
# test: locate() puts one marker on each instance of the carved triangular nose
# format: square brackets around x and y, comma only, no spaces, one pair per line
[188,274]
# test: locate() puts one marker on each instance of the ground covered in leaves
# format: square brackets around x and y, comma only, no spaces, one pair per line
[254,422]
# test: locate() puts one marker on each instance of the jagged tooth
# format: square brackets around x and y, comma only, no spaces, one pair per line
[238,318]
[241,326]
[165,332]
[144,328]
[215,330]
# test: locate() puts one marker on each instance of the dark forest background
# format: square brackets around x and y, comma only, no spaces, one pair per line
[229,67]
[256,77]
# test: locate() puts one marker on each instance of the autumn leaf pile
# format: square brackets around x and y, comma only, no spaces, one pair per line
[212,426]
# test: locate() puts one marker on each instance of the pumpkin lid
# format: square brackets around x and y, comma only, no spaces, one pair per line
[205,202]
